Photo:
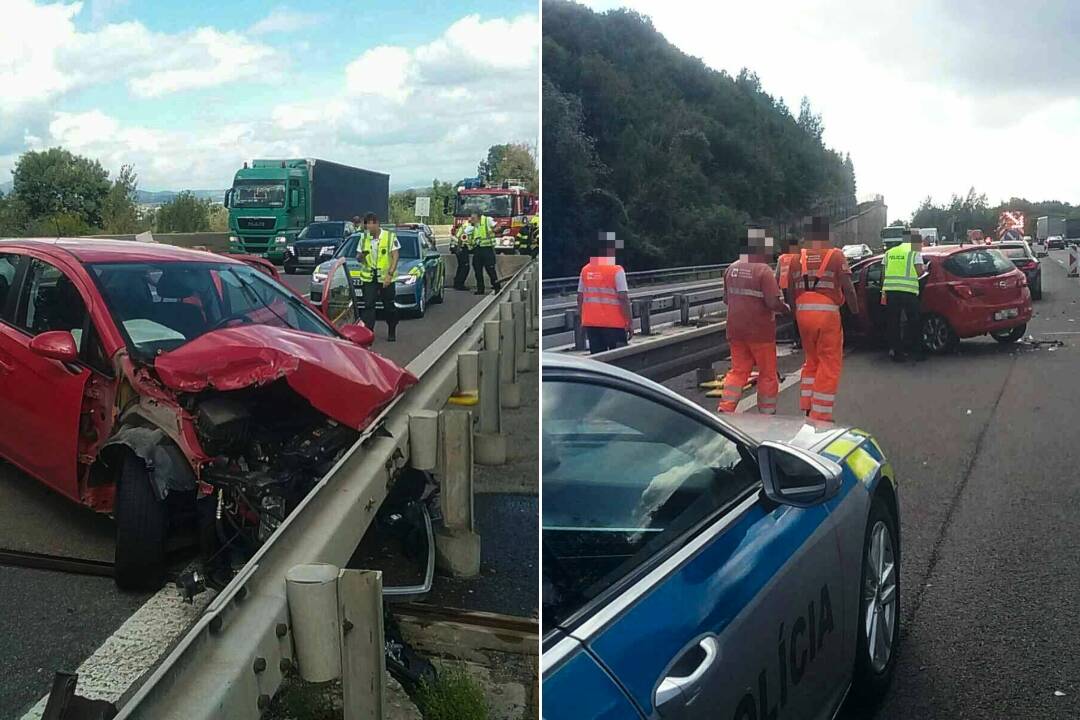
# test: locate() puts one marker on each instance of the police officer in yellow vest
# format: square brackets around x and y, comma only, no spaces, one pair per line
[903,264]
[378,254]
[483,245]
[461,246]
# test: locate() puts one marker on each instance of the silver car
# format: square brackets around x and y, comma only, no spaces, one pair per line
[697,566]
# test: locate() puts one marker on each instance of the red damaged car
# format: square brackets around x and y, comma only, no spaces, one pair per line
[968,290]
[177,389]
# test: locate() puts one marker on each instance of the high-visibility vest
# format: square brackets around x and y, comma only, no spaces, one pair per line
[600,304]
[783,267]
[463,233]
[822,281]
[899,271]
[482,235]
[377,260]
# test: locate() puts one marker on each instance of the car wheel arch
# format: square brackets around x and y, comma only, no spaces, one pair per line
[167,467]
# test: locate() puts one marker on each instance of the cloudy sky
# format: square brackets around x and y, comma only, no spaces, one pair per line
[930,97]
[186,91]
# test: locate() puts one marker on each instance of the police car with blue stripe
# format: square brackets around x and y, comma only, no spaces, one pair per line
[744,567]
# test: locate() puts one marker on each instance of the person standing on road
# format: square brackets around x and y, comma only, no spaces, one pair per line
[603,299]
[822,281]
[753,299]
[783,270]
[461,250]
[378,255]
[483,247]
[903,265]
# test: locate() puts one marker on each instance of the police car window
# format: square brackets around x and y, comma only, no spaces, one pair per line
[623,477]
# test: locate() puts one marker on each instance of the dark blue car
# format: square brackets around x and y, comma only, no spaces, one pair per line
[744,567]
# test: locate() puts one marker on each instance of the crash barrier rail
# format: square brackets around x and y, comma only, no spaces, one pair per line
[568,285]
[233,659]
[650,308]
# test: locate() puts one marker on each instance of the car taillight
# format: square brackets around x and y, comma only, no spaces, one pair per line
[962,291]
[1029,265]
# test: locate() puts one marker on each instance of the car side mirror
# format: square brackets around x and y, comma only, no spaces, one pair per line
[358,333]
[227,200]
[55,345]
[791,476]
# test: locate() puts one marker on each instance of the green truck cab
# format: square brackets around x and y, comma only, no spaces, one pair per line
[271,201]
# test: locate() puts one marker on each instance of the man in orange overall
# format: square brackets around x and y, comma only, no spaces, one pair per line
[603,299]
[783,265]
[753,299]
[822,281]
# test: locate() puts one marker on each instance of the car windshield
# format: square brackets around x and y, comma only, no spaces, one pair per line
[258,193]
[623,477]
[322,231]
[979,262]
[410,245]
[494,205]
[161,306]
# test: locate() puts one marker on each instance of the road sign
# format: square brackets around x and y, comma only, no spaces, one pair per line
[423,207]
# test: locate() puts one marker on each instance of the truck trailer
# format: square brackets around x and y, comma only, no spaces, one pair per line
[1072,231]
[271,201]
[1049,225]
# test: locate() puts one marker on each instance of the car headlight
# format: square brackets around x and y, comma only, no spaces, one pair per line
[234,239]
[281,240]
[318,276]
[405,279]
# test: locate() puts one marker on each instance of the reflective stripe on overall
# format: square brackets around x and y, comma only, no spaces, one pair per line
[818,315]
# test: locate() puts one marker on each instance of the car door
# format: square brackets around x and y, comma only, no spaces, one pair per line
[43,397]
[577,686]
[10,273]
[697,595]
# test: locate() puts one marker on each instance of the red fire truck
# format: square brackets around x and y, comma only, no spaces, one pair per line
[509,204]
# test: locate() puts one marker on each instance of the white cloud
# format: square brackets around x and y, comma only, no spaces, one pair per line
[384,71]
[282,20]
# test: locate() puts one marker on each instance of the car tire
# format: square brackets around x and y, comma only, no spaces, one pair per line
[141,528]
[1011,335]
[937,335]
[438,297]
[873,674]
[421,307]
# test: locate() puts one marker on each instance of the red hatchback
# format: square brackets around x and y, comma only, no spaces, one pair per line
[171,388]
[968,290]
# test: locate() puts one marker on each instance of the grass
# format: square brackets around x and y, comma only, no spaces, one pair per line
[298,700]
[453,696]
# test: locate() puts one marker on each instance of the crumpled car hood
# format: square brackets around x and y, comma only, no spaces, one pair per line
[794,431]
[346,382]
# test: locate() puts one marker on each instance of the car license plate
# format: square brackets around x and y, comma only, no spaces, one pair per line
[1006,314]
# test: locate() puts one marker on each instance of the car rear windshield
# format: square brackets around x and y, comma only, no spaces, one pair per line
[978,262]
[160,306]
[1014,252]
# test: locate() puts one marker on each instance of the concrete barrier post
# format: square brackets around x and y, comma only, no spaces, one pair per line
[490,440]
[521,355]
[457,545]
[363,652]
[424,440]
[573,322]
[311,593]
[509,390]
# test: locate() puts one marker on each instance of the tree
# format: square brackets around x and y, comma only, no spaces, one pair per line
[119,214]
[56,182]
[810,122]
[509,161]
[184,213]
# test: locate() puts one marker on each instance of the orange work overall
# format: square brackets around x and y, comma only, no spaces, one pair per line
[745,287]
[818,298]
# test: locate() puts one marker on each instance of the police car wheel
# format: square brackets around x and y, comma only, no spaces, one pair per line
[878,636]
[421,304]
[290,268]
[437,297]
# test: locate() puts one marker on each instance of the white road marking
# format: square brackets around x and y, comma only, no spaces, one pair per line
[750,401]
[135,647]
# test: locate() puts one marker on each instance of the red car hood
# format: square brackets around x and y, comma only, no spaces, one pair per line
[344,381]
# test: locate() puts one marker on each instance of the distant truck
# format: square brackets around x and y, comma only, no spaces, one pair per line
[1048,226]
[1072,231]
[929,235]
[271,201]
[509,204]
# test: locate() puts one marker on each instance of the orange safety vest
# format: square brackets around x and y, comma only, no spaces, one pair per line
[783,265]
[824,280]
[600,304]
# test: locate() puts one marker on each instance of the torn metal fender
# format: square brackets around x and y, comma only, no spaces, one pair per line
[167,465]
[340,379]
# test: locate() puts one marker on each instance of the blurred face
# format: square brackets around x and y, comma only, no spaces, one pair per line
[475,219]
[372,226]
[757,247]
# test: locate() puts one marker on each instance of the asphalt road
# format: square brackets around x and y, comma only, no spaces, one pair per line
[51,621]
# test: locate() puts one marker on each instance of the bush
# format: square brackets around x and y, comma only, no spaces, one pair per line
[453,696]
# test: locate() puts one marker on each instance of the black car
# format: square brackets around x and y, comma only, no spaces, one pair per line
[1021,255]
[1055,242]
[320,238]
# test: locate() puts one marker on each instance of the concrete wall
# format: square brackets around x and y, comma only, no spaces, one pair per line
[864,227]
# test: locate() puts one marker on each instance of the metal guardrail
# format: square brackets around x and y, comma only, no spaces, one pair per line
[568,285]
[232,661]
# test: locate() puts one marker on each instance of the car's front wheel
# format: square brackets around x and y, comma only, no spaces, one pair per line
[938,335]
[879,606]
[141,527]
[1011,335]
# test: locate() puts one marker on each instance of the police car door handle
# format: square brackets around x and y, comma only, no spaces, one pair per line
[676,687]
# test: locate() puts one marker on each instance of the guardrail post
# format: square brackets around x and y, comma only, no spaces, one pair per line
[510,391]
[311,592]
[424,440]
[363,652]
[457,545]
[573,323]
[683,303]
[490,440]
[468,374]
[641,309]
[522,360]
